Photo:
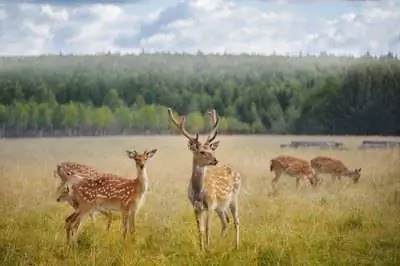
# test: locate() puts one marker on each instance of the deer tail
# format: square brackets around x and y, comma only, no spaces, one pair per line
[55,172]
[271,167]
[244,185]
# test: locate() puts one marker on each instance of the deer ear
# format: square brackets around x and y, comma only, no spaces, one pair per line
[151,153]
[214,145]
[193,145]
[131,154]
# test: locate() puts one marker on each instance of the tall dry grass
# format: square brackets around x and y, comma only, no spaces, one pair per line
[337,224]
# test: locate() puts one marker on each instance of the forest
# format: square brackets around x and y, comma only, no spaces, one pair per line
[113,94]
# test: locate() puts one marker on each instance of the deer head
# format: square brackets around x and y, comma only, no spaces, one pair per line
[355,175]
[64,196]
[141,158]
[203,153]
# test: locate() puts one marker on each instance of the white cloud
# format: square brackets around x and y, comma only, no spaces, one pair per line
[192,25]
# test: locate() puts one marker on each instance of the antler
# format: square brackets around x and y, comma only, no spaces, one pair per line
[181,126]
[215,122]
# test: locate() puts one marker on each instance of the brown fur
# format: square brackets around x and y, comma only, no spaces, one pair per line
[292,166]
[68,197]
[212,187]
[334,167]
[65,170]
[111,192]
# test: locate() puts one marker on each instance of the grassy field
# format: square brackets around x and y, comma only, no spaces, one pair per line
[337,224]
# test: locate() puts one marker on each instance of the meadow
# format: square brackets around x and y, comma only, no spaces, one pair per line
[336,224]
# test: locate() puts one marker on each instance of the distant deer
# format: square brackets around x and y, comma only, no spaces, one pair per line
[292,166]
[110,192]
[337,169]
[212,187]
[67,196]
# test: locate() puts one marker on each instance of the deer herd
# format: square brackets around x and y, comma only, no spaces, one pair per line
[212,187]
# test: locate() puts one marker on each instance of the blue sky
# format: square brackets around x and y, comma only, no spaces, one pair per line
[33,27]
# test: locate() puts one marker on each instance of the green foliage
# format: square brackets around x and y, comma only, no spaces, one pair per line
[113,94]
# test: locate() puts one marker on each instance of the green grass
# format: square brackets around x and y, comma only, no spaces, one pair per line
[337,224]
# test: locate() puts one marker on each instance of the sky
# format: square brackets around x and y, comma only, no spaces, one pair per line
[33,27]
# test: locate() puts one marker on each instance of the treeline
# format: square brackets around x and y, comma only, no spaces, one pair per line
[114,94]
[77,119]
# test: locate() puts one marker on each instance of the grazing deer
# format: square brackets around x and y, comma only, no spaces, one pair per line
[68,197]
[212,187]
[337,169]
[110,192]
[292,166]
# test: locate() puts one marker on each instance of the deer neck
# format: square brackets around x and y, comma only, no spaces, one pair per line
[197,179]
[348,172]
[142,177]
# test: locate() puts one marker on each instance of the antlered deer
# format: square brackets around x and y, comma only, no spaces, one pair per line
[334,167]
[212,187]
[292,166]
[108,192]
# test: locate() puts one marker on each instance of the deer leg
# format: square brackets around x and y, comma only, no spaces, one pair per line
[124,221]
[200,226]
[223,218]
[318,179]
[133,224]
[133,217]
[275,180]
[108,215]
[297,182]
[76,225]
[81,214]
[235,213]
[72,223]
[227,217]
[208,226]
[68,226]
[92,218]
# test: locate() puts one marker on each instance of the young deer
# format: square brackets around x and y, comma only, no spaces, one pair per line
[292,166]
[68,197]
[212,187]
[68,169]
[110,192]
[337,169]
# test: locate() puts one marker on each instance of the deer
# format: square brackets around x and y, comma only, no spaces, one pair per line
[110,192]
[294,167]
[335,167]
[65,169]
[67,197]
[212,186]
